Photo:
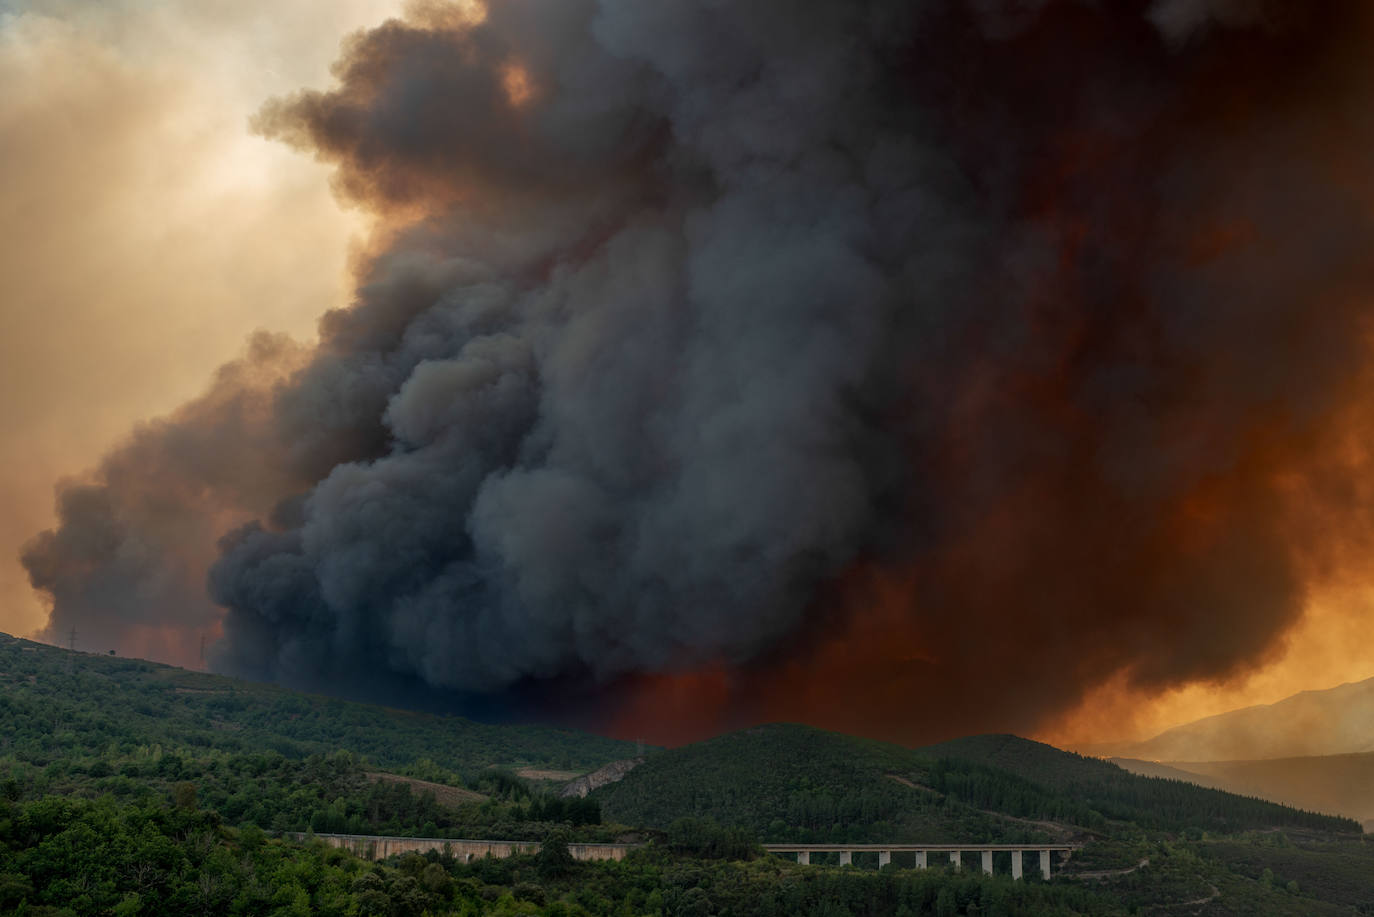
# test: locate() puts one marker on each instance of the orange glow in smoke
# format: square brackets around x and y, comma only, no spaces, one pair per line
[875,646]
[518,85]
[1328,646]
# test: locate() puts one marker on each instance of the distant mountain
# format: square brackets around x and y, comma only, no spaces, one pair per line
[1337,721]
[1337,784]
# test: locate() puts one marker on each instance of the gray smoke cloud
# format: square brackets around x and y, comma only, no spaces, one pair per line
[621,460]
[692,309]
[1182,20]
[126,565]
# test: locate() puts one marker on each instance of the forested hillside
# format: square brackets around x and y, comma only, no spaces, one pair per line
[129,788]
[80,726]
[796,783]
[1118,795]
[73,707]
[789,782]
[61,857]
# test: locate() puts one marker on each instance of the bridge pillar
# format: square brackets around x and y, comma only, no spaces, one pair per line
[956,859]
[884,857]
[1016,863]
[1045,864]
[804,857]
[920,859]
[987,861]
[846,858]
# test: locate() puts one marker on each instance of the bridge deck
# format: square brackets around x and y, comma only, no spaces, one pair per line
[379,847]
[933,848]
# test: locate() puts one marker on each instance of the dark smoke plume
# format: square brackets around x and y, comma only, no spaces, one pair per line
[902,367]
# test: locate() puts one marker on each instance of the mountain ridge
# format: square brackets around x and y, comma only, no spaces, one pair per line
[1314,723]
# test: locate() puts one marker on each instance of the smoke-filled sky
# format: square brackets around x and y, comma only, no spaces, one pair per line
[908,368]
[146,232]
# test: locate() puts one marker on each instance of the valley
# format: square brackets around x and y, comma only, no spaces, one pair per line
[135,788]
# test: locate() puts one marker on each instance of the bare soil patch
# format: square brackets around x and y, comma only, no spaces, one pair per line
[445,795]
[535,773]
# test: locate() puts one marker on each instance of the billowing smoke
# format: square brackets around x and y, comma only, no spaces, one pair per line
[903,367]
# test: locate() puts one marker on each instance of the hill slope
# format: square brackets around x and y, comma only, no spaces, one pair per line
[787,782]
[58,704]
[795,783]
[1118,795]
[115,764]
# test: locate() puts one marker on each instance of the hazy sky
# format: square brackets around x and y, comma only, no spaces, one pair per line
[146,232]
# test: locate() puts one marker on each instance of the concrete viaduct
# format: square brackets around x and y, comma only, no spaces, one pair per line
[950,853]
[376,847]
